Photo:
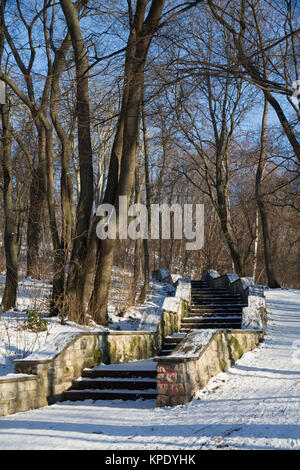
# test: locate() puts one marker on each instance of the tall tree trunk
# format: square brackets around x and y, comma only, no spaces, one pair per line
[10,229]
[66,185]
[223,210]
[272,281]
[141,34]
[143,293]
[58,249]
[37,206]
[137,248]
[161,261]
[256,238]
[85,203]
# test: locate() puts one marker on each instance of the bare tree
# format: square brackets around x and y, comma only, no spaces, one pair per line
[10,229]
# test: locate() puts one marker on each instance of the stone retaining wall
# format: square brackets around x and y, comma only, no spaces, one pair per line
[19,394]
[44,376]
[55,375]
[50,374]
[176,308]
[193,363]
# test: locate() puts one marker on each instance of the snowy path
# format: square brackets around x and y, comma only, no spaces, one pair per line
[255,405]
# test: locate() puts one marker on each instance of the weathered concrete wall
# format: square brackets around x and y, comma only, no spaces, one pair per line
[19,394]
[180,375]
[172,320]
[50,374]
[56,374]
[123,346]
[53,376]
[176,308]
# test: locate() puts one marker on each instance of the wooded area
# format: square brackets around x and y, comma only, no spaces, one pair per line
[160,101]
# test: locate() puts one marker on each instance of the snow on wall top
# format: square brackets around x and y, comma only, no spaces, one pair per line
[176,277]
[193,344]
[171,304]
[164,273]
[150,319]
[183,290]
[51,350]
[212,273]
[151,316]
[232,277]
[246,282]
[153,308]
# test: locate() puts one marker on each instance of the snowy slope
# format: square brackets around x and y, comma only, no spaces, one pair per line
[18,343]
[255,405]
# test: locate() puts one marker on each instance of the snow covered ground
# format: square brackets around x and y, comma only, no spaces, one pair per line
[255,405]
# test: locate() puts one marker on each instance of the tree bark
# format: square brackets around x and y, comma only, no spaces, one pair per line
[141,33]
[256,238]
[143,293]
[36,209]
[85,203]
[272,281]
[223,210]
[10,229]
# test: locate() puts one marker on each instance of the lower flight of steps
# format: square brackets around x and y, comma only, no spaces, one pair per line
[213,308]
[123,381]
[115,383]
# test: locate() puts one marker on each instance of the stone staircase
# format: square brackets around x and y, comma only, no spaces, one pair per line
[210,308]
[213,308]
[115,382]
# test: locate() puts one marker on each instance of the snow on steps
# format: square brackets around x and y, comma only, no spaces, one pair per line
[211,309]
[126,381]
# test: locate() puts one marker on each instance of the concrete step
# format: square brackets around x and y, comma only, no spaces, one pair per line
[196,300]
[173,339]
[209,291]
[218,307]
[169,346]
[224,315]
[114,384]
[211,319]
[215,293]
[226,306]
[80,395]
[215,326]
[165,352]
[118,373]
[215,303]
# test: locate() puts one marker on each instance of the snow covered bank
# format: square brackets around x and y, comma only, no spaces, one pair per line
[255,405]
[17,342]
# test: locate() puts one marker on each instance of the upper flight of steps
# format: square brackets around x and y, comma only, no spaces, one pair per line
[213,308]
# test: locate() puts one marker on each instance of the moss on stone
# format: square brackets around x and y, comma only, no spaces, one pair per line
[186,309]
[222,364]
[114,356]
[67,371]
[236,346]
[97,356]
